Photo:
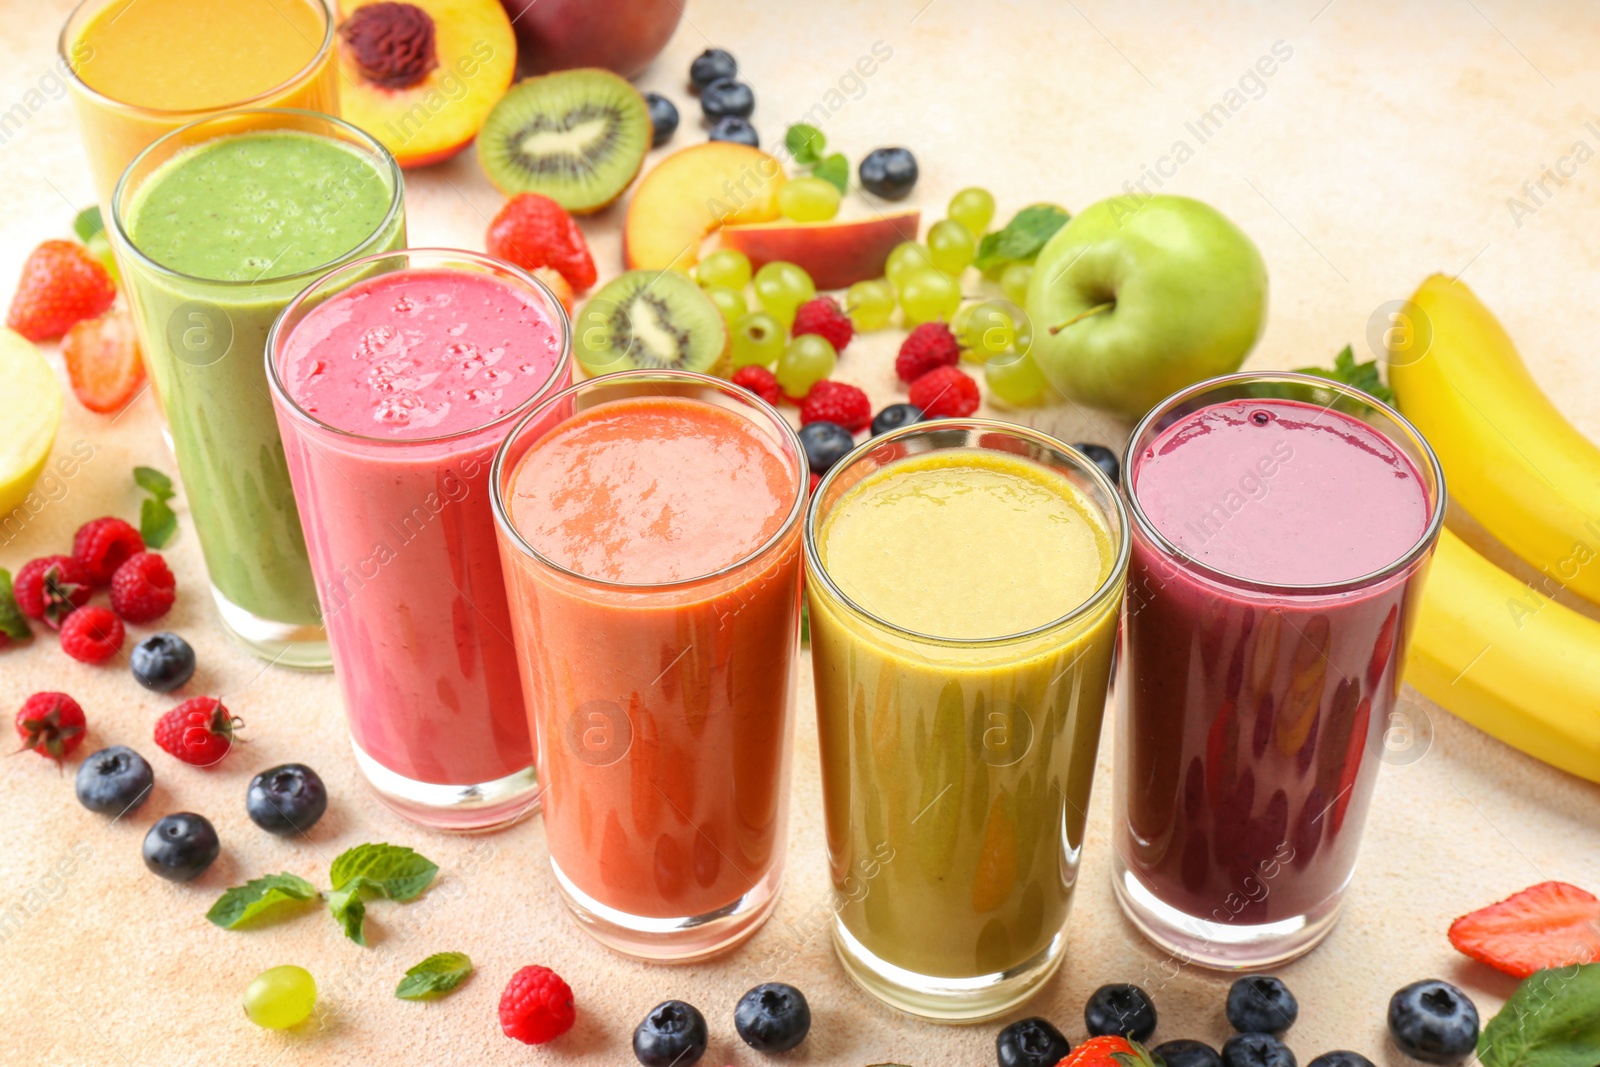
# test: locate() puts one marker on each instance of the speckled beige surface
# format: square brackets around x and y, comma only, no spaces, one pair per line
[1384,148]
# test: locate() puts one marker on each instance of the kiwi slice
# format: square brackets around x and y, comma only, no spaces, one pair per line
[655,320]
[577,136]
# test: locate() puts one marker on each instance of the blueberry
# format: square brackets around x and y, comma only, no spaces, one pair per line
[1104,458]
[287,799]
[1341,1058]
[772,1017]
[1124,1010]
[1186,1053]
[727,97]
[825,444]
[1433,1021]
[888,172]
[1260,1004]
[178,847]
[1256,1050]
[733,128]
[895,416]
[162,662]
[114,781]
[663,118]
[672,1035]
[1029,1042]
[709,66]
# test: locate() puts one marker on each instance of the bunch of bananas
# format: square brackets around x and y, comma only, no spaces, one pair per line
[1500,653]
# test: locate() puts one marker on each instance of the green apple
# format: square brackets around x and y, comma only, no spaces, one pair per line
[1139,296]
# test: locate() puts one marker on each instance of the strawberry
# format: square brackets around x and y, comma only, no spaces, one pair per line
[61,284]
[102,357]
[1108,1051]
[52,587]
[51,724]
[535,231]
[198,731]
[1552,924]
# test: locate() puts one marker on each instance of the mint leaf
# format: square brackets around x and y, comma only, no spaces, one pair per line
[434,976]
[154,482]
[350,912]
[88,223]
[382,870]
[157,521]
[805,142]
[1021,238]
[1552,1020]
[12,622]
[243,904]
[835,170]
[1363,376]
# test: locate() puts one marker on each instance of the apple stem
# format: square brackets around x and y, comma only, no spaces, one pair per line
[1096,310]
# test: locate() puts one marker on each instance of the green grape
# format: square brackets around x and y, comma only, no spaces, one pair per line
[808,200]
[1014,281]
[973,208]
[1014,378]
[959,326]
[280,997]
[951,246]
[905,258]
[757,341]
[870,304]
[928,295]
[726,267]
[807,360]
[730,302]
[782,288]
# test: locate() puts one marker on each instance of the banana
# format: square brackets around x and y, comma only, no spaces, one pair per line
[1515,664]
[1509,457]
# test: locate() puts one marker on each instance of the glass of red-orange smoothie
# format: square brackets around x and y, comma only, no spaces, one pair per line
[649,524]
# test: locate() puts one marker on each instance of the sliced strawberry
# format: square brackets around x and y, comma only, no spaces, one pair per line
[102,357]
[1552,924]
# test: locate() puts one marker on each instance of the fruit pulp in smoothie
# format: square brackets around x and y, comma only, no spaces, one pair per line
[956,777]
[238,224]
[659,694]
[423,366]
[1255,716]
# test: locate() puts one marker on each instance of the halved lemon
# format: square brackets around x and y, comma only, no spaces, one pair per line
[33,401]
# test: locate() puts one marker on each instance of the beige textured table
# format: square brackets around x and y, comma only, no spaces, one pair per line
[1387,146]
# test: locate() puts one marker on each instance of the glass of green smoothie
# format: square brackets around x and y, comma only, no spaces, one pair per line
[217,226]
[964,580]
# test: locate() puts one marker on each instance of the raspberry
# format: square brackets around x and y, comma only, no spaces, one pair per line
[929,346]
[821,316]
[102,544]
[143,588]
[198,731]
[836,402]
[760,381]
[816,480]
[945,392]
[535,231]
[51,724]
[61,284]
[536,1006]
[51,588]
[91,635]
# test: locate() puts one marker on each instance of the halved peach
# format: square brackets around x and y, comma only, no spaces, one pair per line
[836,254]
[692,192]
[422,76]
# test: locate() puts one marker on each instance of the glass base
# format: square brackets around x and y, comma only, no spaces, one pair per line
[300,648]
[673,940]
[462,808]
[1222,946]
[940,999]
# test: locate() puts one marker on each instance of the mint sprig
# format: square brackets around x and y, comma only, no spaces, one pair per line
[434,976]
[157,521]
[1019,240]
[1363,376]
[244,904]
[12,622]
[88,223]
[391,871]
[835,170]
[1552,1020]
[805,142]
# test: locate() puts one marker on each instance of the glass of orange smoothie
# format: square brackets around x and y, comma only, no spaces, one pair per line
[140,68]
[649,528]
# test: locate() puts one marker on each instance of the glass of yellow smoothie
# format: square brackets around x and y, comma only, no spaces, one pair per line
[964,580]
[139,68]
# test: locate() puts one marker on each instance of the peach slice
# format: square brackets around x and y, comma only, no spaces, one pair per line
[836,254]
[422,76]
[692,192]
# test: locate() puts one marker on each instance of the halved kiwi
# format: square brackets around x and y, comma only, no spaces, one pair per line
[577,136]
[658,320]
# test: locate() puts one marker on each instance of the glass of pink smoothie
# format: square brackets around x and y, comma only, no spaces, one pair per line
[394,380]
[650,529]
[1282,527]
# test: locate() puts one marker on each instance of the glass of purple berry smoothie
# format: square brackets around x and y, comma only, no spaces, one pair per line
[1282,528]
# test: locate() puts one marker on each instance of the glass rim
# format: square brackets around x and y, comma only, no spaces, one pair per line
[386,164]
[1418,550]
[1110,586]
[64,53]
[292,406]
[647,376]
